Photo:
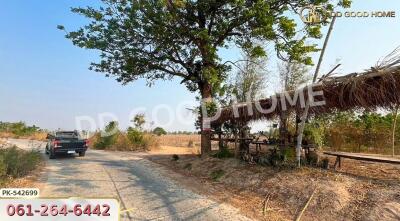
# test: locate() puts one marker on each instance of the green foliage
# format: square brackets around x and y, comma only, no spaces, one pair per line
[139,120]
[354,132]
[159,131]
[165,39]
[223,153]
[18,129]
[135,136]
[217,174]
[108,137]
[274,158]
[16,163]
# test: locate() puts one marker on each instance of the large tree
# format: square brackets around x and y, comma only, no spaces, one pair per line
[162,39]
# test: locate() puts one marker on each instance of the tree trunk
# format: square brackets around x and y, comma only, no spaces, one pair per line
[205,132]
[283,132]
[243,145]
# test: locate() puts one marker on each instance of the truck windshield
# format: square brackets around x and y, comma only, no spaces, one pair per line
[67,135]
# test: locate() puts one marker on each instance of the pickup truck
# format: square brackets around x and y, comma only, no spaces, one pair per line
[65,142]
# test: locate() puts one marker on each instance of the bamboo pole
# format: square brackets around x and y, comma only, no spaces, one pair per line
[305,206]
[394,128]
[305,113]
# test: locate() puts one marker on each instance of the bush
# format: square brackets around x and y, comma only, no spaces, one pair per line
[133,139]
[312,158]
[159,131]
[135,136]
[121,143]
[175,157]
[325,163]
[16,163]
[223,153]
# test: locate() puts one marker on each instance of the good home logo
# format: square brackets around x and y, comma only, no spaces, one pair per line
[315,14]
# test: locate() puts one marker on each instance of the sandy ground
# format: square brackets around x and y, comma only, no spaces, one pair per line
[144,188]
[358,191]
[184,189]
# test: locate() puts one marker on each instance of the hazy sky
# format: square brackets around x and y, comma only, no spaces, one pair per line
[44,79]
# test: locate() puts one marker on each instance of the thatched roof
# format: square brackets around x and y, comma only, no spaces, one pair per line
[378,87]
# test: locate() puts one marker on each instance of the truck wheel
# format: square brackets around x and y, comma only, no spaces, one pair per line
[52,155]
[82,154]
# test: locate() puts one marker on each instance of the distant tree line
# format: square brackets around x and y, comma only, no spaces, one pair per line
[18,128]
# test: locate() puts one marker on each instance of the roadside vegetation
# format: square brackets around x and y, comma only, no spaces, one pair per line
[21,130]
[133,139]
[366,132]
[16,163]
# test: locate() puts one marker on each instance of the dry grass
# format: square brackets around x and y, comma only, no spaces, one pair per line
[180,140]
[358,191]
[40,136]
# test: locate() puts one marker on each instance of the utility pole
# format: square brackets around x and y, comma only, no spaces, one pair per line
[307,107]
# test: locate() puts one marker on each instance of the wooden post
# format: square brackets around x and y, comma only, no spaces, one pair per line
[394,128]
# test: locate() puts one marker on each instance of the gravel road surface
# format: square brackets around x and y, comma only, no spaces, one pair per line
[142,187]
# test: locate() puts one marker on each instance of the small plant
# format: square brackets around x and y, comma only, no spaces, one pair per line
[175,157]
[312,158]
[274,158]
[188,166]
[325,163]
[223,153]
[217,174]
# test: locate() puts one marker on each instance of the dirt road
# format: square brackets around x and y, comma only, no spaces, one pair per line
[142,187]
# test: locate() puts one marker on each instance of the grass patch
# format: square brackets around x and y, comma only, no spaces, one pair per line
[217,174]
[16,163]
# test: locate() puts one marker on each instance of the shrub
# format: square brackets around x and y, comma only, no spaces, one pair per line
[159,131]
[223,153]
[325,163]
[108,138]
[135,136]
[288,153]
[217,174]
[17,163]
[121,143]
[275,158]
[312,158]
[175,157]
[133,139]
